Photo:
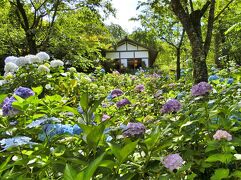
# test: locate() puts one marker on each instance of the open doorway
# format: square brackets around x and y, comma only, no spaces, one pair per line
[134,63]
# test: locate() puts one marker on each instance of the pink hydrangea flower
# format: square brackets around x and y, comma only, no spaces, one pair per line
[140,88]
[173,161]
[220,134]
[105,117]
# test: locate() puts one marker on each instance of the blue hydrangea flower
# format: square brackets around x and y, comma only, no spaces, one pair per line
[15,142]
[109,97]
[80,110]
[102,70]
[230,81]
[7,107]
[23,92]
[42,121]
[51,130]
[213,77]
[170,106]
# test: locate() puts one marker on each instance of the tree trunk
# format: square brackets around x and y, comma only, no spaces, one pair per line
[178,65]
[200,72]
[30,37]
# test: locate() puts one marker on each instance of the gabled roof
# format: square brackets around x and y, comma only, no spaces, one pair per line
[126,39]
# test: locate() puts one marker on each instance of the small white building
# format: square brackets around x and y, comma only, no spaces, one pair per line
[130,54]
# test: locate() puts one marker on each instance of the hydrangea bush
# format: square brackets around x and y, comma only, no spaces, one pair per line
[57,123]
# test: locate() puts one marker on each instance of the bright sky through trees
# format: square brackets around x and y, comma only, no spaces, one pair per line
[125,9]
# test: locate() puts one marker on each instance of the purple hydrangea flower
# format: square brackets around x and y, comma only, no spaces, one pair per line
[116,93]
[122,102]
[201,88]
[134,130]
[23,92]
[172,105]
[7,107]
[140,88]
[173,161]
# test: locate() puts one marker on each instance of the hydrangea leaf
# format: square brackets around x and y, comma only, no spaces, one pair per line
[224,158]
[220,174]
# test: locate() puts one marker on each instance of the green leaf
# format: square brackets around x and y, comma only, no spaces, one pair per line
[224,158]
[4,164]
[108,164]
[90,170]
[37,90]
[187,124]
[122,153]
[153,139]
[84,101]
[89,138]
[236,174]
[220,174]
[69,173]
[2,97]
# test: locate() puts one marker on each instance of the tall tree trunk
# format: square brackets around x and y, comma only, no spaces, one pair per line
[31,42]
[200,72]
[178,65]
[192,25]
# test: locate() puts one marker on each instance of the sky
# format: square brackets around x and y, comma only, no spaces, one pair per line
[125,9]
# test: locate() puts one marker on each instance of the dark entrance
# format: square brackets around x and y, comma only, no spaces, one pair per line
[134,63]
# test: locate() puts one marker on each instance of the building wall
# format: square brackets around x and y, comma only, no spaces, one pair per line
[129,51]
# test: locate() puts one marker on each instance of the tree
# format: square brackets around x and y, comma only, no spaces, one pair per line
[78,37]
[32,16]
[117,32]
[159,20]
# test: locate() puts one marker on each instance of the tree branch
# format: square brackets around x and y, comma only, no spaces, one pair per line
[225,7]
[191,5]
[204,8]
[210,28]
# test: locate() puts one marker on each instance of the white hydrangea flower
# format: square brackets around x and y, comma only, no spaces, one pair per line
[2,82]
[43,68]
[56,63]
[22,61]
[43,56]
[33,58]
[72,69]
[10,67]
[48,86]
[8,76]
[11,59]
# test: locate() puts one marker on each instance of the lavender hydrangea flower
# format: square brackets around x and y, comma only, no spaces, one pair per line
[122,103]
[15,142]
[173,161]
[7,107]
[105,117]
[140,88]
[172,105]
[220,134]
[23,92]
[201,88]
[116,93]
[134,130]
